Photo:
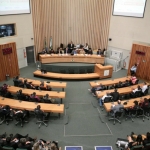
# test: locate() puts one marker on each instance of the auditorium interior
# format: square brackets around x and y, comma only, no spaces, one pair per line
[36,46]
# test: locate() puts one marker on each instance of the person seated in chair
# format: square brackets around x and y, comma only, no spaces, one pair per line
[59,50]
[24,144]
[4,89]
[138,141]
[8,95]
[74,52]
[144,103]
[98,88]
[119,85]
[86,48]
[117,107]
[144,87]
[126,83]
[115,95]
[20,82]
[90,52]
[34,96]
[101,100]
[21,95]
[42,86]
[133,80]
[99,52]
[133,69]
[82,51]
[38,110]
[47,99]
[133,93]
[52,51]
[66,50]
[29,85]
[9,143]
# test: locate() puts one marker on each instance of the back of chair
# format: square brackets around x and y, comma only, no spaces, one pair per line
[139,147]
[19,116]
[119,113]
[8,148]
[107,100]
[39,114]
[147,146]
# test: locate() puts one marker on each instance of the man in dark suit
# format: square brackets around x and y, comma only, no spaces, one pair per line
[70,47]
[99,52]
[115,95]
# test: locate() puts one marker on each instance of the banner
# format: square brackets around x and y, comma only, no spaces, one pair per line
[51,43]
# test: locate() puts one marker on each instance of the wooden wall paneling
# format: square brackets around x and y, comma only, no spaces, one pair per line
[8,62]
[78,20]
[143,71]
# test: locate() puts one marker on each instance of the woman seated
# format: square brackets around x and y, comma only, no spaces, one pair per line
[29,85]
[46,145]
[133,80]
[82,51]
[52,51]
[138,141]
[34,97]
[90,52]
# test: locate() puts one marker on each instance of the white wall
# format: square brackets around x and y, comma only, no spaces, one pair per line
[24,33]
[126,30]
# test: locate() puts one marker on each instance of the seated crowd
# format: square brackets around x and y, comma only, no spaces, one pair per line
[138,140]
[33,97]
[26,142]
[133,80]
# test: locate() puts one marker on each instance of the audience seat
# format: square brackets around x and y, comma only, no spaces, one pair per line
[20,118]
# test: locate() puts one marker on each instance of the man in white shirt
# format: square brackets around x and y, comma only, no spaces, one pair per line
[101,100]
[133,69]
[144,87]
[86,48]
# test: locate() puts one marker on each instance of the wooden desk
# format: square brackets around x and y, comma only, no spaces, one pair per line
[103,71]
[51,84]
[53,94]
[99,72]
[109,82]
[16,104]
[66,76]
[124,90]
[130,103]
[55,58]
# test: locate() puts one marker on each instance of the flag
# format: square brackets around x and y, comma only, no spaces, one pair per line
[51,43]
[45,43]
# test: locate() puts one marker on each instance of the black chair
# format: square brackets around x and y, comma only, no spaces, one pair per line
[20,118]
[16,83]
[138,93]
[137,81]
[6,116]
[107,100]
[7,148]
[42,118]
[116,115]
[28,86]
[138,147]
[147,146]
[131,113]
